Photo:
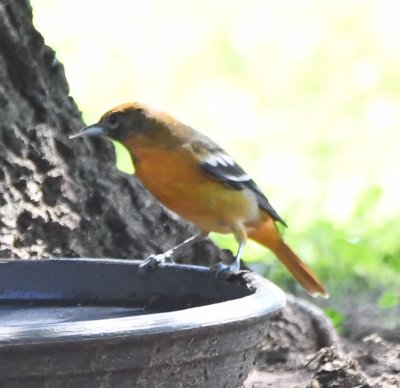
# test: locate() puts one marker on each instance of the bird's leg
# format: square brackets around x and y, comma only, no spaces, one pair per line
[168,256]
[225,270]
[235,266]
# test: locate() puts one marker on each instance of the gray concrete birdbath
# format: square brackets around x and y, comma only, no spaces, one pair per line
[98,323]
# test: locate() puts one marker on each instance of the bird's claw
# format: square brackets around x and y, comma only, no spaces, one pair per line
[149,265]
[152,262]
[225,271]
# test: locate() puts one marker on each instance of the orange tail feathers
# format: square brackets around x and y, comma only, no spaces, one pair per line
[267,234]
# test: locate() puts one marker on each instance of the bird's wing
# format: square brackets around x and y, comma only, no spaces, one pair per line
[218,164]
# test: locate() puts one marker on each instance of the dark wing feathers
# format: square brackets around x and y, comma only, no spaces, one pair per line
[222,167]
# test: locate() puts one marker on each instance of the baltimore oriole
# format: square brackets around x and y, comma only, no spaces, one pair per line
[195,178]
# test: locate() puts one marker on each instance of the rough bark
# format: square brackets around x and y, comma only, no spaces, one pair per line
[60,197]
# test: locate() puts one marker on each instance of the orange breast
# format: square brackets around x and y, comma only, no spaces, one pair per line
[176,179]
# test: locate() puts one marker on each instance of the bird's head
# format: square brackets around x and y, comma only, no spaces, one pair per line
[120,123]
[135,124]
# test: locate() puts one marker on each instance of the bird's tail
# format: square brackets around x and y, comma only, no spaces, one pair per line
[267,234]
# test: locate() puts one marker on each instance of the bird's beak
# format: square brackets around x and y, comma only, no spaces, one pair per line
[91,131]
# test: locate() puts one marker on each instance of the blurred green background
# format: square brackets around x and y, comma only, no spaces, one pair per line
[305,95]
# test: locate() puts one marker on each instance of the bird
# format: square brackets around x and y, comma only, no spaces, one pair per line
[195,178]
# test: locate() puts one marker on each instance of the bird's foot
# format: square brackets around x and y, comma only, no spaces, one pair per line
[153,261]
[226,271]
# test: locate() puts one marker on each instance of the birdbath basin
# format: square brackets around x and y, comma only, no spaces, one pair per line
[98,323]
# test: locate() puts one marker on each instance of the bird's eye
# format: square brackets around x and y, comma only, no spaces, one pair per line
[113,121]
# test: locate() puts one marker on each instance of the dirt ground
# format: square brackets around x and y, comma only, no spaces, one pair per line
[304,351]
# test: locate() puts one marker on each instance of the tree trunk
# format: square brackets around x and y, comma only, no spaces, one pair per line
[60,197]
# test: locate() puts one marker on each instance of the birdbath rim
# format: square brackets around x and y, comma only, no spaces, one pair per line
[260,298]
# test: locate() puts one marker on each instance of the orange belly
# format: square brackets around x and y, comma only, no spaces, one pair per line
[177,181]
